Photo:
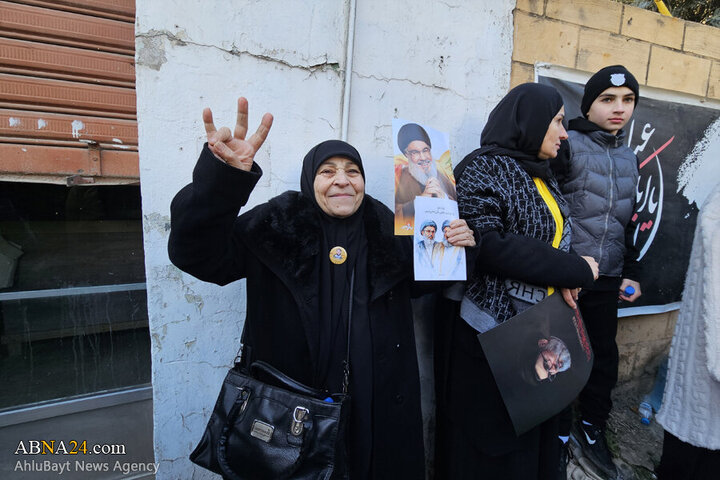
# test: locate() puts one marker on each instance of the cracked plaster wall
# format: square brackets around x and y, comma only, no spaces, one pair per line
[446,65]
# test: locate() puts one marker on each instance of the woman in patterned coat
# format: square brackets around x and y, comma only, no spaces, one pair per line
[507,194]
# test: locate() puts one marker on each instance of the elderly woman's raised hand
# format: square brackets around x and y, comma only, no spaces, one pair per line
[233,148]
[459,234]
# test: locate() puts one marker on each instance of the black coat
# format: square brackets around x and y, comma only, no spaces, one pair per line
[498,198]
[274,246]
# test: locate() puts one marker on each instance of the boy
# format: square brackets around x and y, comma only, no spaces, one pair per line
[598,181]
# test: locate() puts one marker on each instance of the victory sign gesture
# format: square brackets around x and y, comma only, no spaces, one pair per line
[233,148]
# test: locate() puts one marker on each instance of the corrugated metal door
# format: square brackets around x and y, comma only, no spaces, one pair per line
[67,91]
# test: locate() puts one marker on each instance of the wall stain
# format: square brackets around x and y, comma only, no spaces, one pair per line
[154,222]
[151,52]
[195,299]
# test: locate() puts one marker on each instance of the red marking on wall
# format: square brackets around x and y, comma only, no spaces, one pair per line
[654,154]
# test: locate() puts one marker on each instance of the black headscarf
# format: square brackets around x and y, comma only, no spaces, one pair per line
[334,287]
[334,292]
[317,155]
[517,125]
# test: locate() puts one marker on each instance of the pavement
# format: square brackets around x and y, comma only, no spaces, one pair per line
[636,447]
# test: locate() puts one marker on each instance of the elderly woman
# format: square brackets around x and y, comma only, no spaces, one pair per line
[299,253]
[506,193]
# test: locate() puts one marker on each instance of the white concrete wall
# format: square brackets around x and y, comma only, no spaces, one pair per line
[440,63]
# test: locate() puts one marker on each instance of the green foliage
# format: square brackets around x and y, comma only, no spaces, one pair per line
[702,11]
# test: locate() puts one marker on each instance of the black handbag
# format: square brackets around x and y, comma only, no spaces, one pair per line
[259,430]
[265,425]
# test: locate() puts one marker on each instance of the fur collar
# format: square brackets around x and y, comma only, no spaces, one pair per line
[285,228]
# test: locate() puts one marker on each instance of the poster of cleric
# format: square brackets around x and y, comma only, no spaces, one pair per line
[422,168]
[434,257]
[540,359]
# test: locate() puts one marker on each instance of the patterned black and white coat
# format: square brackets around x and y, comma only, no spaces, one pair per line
[515,258]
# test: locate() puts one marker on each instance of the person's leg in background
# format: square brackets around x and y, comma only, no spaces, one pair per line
[599,312]
[682,461]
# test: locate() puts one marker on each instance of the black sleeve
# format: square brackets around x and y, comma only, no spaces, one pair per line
[632,269]
[533,261]
[483,204]
[472,254]
[202,219]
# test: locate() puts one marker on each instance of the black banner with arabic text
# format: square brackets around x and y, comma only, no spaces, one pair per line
[662,134]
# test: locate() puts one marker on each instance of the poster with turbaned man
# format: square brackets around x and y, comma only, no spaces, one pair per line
[425,199]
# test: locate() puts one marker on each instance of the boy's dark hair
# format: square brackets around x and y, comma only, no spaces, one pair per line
[613,76]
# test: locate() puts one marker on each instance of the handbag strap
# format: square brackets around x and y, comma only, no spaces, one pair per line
[243,355]
[346,363]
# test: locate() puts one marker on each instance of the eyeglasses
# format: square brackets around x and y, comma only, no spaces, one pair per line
[330,172]
[548,366]
[417,153]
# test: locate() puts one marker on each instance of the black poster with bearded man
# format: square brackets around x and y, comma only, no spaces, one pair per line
[664,135]
[540,359]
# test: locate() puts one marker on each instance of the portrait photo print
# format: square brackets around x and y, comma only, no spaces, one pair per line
[541,359]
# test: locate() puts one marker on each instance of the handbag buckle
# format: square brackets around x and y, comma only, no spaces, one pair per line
[244,398]
[299,414]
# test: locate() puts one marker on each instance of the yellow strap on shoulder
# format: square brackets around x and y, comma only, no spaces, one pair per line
[555,210]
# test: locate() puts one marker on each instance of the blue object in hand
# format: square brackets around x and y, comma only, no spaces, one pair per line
[629,290]
[645,411]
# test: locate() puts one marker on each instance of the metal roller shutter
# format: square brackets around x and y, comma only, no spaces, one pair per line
[67,91]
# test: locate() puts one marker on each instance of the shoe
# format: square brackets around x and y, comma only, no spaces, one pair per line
[565,456]
[595,449]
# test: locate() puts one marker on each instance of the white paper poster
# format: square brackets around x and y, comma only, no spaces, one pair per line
[434,257]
